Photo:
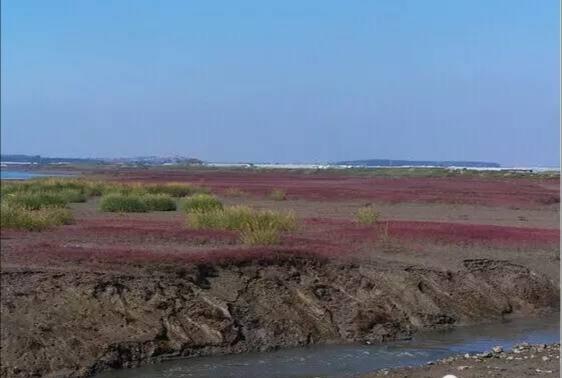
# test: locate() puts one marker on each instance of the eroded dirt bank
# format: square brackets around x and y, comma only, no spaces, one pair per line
[79,323]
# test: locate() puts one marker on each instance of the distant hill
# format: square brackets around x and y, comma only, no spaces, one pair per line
[418,163]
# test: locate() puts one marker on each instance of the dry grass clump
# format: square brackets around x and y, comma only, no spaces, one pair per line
[201,203]
[367,215]
[17,217]
[123,203]
[278,195]
[256,227]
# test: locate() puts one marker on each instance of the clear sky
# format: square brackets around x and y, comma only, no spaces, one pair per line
[288,81]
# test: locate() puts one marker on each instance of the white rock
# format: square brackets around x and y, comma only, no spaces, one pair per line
[497,349]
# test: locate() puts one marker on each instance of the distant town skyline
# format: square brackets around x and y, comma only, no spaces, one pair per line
[283,82]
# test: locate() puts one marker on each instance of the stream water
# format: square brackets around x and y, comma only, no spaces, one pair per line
[6,174]
[353,360]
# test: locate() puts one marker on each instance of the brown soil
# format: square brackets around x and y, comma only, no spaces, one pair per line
[78,323]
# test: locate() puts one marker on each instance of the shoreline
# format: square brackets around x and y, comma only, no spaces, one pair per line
[523,360]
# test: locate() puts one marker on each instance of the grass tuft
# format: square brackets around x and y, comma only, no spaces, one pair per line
[260,236]
[159,202]
[19,218]
[256,227]
[35,201]
[201,203]
[367,215]
[123,203]
[278,195]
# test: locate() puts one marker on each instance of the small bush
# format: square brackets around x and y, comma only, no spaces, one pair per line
[123,203]
[278,195]
[16,217]
[159,202]
[35,201]
[201,203]
[367,215]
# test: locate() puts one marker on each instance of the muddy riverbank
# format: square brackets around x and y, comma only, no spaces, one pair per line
[80,323]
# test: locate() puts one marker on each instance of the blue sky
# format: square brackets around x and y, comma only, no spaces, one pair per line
[283,81]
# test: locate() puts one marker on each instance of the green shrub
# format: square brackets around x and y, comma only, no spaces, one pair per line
[200,203]
[159,202]
[35,201]
[17,217]
[278,195]
[123,203]
[367,215]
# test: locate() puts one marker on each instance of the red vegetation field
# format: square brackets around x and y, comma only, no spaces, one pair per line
[121,242]
[517,192]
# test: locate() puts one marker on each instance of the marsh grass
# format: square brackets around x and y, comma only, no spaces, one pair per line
[17,217]
[201,202]
[367,215]
[256,227]
[175,189]
[123,203]
[35,201]
[266,236]
[159,202]
[72,195]
[75,190]
[278,195]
